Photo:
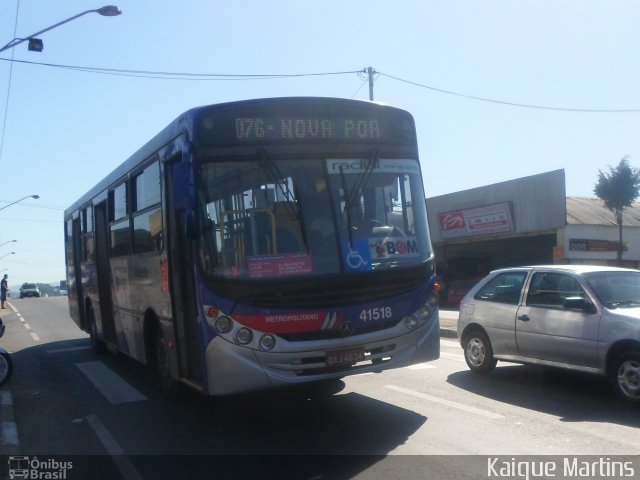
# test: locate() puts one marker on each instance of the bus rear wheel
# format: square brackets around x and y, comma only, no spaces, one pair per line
[162,363]
[97,345]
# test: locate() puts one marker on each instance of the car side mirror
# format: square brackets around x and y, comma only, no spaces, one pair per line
[579,303]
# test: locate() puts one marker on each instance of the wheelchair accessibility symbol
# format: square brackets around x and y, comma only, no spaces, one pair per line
[355,260]
[356,255]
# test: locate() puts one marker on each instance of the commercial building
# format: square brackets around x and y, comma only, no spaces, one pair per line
[527,221]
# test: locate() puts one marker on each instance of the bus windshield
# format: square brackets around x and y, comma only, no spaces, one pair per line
[286,217]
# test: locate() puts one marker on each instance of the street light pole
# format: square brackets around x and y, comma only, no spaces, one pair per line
[10,241]
[10,253]
[19,200]
[106,11]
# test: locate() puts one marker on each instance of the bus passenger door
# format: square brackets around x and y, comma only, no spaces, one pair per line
[103,272]
[180,256]
[76,297]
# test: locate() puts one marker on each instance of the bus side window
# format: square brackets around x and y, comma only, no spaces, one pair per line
[120,228]
[147,215]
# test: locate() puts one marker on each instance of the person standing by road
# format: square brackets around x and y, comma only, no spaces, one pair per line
[4,288]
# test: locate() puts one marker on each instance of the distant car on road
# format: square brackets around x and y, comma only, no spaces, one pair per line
[584,318]
[29,290]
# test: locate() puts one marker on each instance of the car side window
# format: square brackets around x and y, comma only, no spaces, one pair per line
[503,288]
[551,289]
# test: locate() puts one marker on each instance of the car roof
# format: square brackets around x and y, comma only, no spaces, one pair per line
[579,269]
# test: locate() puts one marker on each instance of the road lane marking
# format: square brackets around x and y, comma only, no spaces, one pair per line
[15,310]
[70,349]
[449,343]
[35,337]
[116,452]
[420,366]
[110,384]
[27,326]
[448,403]
[458,357]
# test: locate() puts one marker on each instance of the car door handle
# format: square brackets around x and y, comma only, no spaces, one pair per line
[524,318]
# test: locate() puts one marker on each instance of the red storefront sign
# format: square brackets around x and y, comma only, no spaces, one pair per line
[483,220]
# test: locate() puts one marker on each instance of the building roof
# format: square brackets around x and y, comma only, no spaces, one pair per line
[591,211]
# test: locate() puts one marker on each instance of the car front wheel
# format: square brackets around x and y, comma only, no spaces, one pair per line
[478,352]
[626,376]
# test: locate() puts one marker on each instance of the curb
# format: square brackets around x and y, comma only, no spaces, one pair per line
[446,333]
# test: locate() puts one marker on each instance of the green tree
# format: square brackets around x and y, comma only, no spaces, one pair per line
[618,188]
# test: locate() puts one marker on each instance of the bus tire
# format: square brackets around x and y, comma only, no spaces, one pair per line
[6,367]
[97,345]
[162,365]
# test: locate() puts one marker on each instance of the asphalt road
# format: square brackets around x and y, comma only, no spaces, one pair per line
[435,420]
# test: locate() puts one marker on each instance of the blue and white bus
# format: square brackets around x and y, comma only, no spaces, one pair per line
[259,244]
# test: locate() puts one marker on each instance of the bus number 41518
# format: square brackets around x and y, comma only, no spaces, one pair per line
[379,313]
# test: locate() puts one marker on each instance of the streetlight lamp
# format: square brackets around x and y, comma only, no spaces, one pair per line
[35,44]
[19,200]
[6,254]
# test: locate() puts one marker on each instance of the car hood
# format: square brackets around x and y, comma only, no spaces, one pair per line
[631,313]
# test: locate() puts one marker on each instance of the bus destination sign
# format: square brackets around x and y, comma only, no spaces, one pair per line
[243,128]
[307,128]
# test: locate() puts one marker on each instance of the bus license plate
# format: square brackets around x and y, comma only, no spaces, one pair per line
[339,358]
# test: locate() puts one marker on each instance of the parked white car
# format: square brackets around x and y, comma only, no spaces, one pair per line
[577,317]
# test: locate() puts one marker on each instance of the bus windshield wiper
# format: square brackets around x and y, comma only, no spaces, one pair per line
[351,196]
[275,175]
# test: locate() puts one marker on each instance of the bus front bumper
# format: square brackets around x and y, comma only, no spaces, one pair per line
[232,368]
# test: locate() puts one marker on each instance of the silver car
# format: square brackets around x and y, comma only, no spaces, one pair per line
[577,317]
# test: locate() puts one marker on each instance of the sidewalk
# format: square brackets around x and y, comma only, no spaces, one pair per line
[448,323]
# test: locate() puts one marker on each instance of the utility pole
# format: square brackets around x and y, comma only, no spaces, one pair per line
[370,72]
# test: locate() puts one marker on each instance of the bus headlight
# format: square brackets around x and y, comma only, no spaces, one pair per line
[224,324]
[244,336]
[422,315]
[411,322]
[267,342]
[433,300]
[425,312]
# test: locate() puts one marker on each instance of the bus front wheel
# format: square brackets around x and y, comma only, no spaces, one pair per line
[169,385]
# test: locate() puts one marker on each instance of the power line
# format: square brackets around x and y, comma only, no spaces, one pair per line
[513,104]
[190,76]
[180,75]
[6,105]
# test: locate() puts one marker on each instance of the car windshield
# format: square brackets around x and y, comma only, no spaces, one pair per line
[29,286]
[616,289]
[270,217]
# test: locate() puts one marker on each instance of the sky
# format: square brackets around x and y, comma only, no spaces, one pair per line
[555,86]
